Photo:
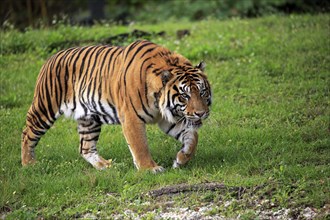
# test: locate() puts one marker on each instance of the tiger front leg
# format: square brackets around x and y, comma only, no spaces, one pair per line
[189,141]
[187,136]
[135,133]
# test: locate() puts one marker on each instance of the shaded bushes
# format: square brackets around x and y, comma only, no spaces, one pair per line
[40,13]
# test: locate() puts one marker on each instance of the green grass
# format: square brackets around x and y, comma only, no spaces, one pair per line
[269,124]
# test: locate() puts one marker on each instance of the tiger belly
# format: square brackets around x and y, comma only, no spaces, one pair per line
[102,111]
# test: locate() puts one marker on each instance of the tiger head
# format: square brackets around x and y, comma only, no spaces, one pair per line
[186,96]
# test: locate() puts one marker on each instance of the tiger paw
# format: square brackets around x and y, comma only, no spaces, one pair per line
[103,164]
[28,163]
[157,169]
[176,165]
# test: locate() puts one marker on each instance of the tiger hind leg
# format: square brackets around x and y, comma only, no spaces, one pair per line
[37,125]
[89,132]
[27,147]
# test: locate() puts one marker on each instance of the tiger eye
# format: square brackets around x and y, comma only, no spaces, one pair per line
[184,96]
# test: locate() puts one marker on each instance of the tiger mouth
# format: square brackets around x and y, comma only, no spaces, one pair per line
[195,124]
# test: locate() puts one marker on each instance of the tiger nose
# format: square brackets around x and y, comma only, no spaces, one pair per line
[200,114]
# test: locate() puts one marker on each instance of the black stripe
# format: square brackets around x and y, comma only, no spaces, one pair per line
[83,81]
[73,98]
[49,73]
[142,67]
[146,92]
[109,49]
[74,74]
[50,107]
[131,47]
[90,88]
[66,79]
[149,66]
[157,71]
[74,52]
[103,111]
[98,130]
[92,98]
[114,111]
[147,51]
[105,119]
[143,107]
[115,114]
[142,119]
[76,59]
[112,63]
[176,88]
[100,82]
[168,104]
[36,132]
[58,81]
[42,124]
[35,123]
[54,62]
[89,124]
[81,101]
[81,145]
[65,58]
[179,134]
[179,106]
[133,57]
[90,57]
[96,138]
[172,126]
[33,139]
[110,60]
[83,61]
[42,108]
[174,96]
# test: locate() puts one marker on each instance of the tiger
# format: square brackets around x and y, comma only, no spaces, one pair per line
[142,83]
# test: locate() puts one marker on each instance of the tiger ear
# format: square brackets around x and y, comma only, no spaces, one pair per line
[166,76]
[201,66]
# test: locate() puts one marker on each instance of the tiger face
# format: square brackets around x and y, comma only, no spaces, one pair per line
[187,97]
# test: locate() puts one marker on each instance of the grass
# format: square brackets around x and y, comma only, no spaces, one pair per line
[268,129]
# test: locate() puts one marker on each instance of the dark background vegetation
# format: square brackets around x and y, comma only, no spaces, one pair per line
[40,13]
